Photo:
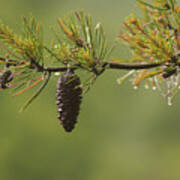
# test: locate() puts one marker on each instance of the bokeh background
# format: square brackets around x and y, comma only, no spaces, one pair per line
[121,134]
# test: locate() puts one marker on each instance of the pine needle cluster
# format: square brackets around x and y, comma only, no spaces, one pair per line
[155,38]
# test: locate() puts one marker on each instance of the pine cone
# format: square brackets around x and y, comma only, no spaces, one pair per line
[68,99]
[5,78]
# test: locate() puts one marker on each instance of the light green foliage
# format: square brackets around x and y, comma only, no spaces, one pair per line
[84,43]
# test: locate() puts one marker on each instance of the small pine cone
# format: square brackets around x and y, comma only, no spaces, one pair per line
[5,78]
[68,99]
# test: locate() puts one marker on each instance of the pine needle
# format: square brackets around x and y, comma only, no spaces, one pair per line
[29,87]
[36,94]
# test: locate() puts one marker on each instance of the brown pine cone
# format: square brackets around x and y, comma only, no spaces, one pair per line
[68,99]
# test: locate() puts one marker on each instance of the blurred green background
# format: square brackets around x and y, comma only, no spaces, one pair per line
[121,134]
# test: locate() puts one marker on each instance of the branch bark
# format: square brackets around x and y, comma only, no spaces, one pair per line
[106,65]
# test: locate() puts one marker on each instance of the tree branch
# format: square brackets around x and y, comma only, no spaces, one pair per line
[110,65]
[133,66]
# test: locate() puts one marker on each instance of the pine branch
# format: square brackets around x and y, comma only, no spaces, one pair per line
[82,45]
[133,66]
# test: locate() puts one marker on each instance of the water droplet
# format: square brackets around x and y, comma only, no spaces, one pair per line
[146,86]
[168,84]
[169,101]
[175,83]
[57,73]
[97,26]
[135,87]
